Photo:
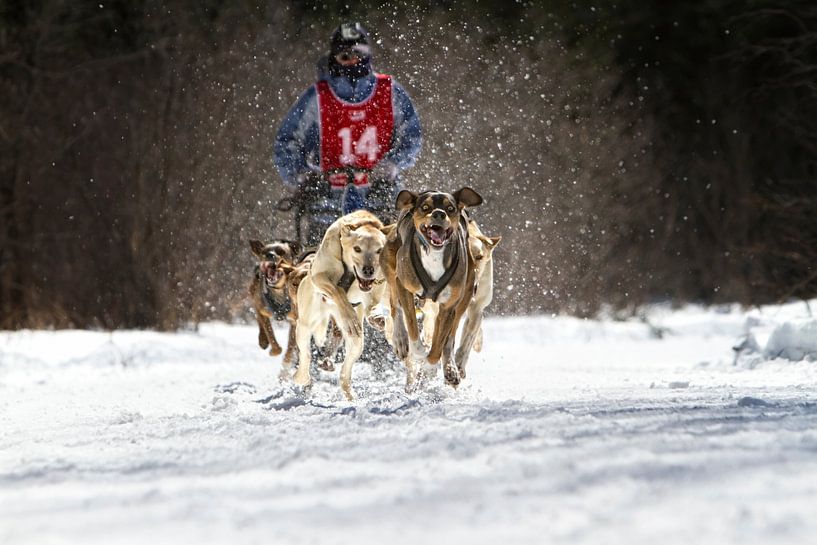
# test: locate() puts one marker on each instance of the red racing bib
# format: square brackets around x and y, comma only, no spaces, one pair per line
[354,134]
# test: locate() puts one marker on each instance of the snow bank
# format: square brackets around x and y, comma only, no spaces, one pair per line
[777,333]
[793,341]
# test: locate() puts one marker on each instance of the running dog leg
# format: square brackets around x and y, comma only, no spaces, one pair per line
[292,350]
[400,345]
[471,330]
[303,336]
[330,348]
[353,347]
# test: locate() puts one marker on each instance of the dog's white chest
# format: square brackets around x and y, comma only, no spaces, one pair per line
[433,264]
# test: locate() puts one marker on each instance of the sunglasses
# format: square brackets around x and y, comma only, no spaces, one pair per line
[353,54]
[346,56]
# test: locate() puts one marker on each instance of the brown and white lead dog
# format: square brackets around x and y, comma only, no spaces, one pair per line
[427,256]
[344,284]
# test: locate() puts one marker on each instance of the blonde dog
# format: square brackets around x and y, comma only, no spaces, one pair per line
[344,284]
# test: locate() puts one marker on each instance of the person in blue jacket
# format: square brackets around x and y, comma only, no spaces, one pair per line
[345,141]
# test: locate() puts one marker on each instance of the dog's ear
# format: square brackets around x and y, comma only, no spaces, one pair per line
[467,197]
[296,248]
[476,250]
[405,199]
[387,229]
[257,247]
[494,241]
[346,229]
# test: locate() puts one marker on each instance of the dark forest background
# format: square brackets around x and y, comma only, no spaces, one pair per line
[628,153]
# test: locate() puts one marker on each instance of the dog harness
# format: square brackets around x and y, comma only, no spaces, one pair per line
[354,134]
[278,308]
[433,289]
[347,279]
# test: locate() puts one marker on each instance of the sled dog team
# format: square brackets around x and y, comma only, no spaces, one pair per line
[434,257]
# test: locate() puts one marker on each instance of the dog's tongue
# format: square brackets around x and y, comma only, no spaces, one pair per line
[365,285]
[436,235]
[273,274]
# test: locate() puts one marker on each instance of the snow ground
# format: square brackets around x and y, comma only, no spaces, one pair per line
[566,431]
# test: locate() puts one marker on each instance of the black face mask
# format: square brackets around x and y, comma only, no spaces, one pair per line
[352,73]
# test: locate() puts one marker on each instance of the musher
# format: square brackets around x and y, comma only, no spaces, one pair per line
[344,142]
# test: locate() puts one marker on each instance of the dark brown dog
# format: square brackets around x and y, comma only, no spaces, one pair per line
[269,293]
[274,294]
[427,256]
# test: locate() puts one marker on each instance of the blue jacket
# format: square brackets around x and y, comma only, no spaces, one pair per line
[297,144]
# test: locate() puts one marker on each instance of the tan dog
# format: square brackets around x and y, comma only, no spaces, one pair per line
[269,294]
[481,249]
[344,285]
[427,256]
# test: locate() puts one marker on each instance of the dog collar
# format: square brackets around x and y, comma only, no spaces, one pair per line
[279,308]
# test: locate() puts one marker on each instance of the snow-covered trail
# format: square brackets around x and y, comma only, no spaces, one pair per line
[566,431]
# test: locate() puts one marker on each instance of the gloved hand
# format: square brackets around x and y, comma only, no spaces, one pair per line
[384,170]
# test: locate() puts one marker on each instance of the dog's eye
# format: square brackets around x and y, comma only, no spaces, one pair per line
[426,208]
[450,208]
[357,249]
[270,254]
[380,250]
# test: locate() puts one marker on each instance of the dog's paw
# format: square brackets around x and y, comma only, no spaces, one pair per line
[283,374]
[302,391]
[460,360]
[427,370]
[411,386]
[262,340]
[378,322]
[275,350]
[302,379]
[327,364]
[290,359]
[347,391]
[478,341]
[452,375]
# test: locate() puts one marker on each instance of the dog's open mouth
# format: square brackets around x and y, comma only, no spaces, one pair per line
[272,274]
[437,235]
[364,283]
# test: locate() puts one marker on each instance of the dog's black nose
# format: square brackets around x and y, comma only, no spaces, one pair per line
[438,215]
[368,271]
